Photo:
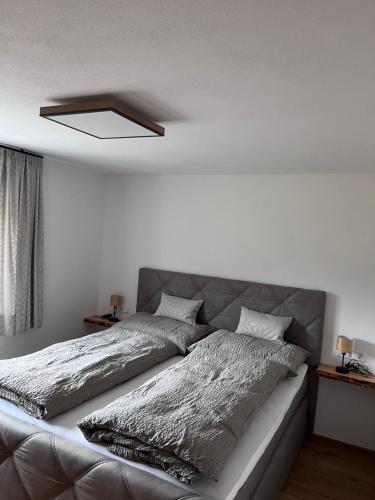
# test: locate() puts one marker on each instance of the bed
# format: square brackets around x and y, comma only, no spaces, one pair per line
[259,467]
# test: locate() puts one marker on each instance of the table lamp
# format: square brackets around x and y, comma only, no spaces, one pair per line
[116,301]
[343,346]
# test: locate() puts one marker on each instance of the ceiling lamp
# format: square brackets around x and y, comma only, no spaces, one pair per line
[103,119]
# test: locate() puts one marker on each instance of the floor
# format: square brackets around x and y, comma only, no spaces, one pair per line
[327,469]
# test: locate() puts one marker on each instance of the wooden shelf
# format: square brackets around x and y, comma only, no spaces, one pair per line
[98,320]
[328,371]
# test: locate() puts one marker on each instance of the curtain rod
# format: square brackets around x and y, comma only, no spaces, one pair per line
[19,150]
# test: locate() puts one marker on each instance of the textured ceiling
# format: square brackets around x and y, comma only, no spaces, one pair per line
[242,86]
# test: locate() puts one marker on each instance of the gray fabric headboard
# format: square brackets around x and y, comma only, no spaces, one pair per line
[223,299]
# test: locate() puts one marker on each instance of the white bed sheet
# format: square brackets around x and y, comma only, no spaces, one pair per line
[239,464]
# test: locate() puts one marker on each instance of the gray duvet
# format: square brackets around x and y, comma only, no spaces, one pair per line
[63,375]
[188,418]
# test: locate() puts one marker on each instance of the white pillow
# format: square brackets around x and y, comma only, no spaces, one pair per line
[185,310]
[263,326]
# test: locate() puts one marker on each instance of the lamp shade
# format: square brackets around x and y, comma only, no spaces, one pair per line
[116,300]
[343,344]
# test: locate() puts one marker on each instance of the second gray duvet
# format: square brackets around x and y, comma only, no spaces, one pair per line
[188,418]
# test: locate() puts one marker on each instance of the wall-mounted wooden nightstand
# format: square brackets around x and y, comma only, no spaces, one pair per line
[328,371]
[96,323]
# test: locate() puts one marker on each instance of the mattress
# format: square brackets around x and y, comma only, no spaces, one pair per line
[239,464]
[254,442]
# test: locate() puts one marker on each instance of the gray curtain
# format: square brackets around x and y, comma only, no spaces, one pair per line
[21,242]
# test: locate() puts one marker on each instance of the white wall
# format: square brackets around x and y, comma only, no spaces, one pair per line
[309,231]
[73,210]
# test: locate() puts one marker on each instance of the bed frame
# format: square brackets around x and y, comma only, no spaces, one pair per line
[37,465]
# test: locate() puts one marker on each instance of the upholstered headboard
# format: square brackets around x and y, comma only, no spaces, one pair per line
[223,299]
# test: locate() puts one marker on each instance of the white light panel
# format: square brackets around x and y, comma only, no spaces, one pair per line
[103,124]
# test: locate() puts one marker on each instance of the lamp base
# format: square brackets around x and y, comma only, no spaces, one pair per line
[342,369]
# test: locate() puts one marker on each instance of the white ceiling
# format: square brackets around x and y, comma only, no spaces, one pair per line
[241,86]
